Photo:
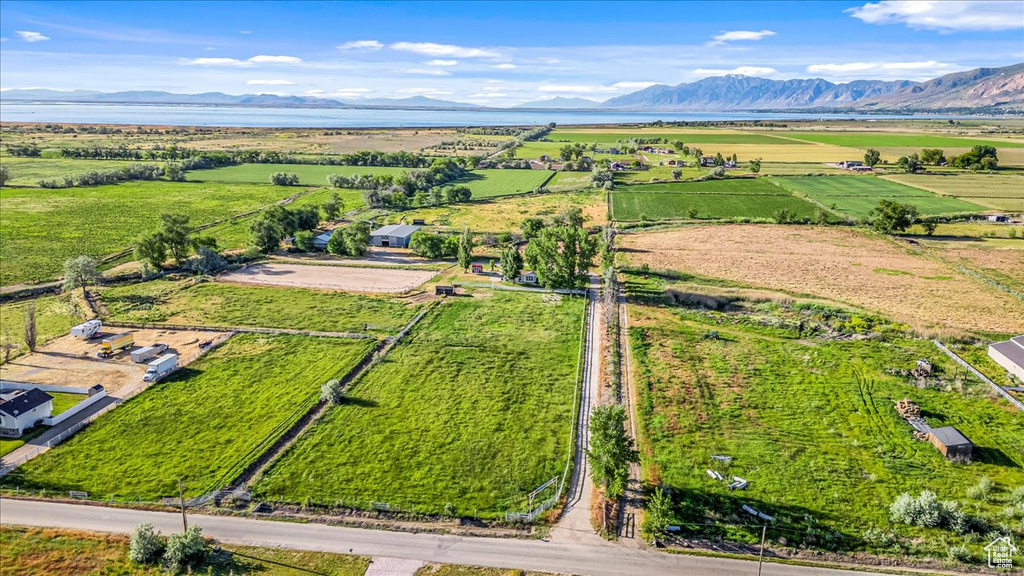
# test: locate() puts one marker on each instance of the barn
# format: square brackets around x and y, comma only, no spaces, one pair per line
[393,236]
[952,444]
[1010,355]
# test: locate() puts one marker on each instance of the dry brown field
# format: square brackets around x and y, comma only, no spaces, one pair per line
[843,265]
[68,361]
[352,279]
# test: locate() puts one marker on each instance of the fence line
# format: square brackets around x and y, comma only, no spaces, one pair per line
[495,286]
[1002,391]
[163,326]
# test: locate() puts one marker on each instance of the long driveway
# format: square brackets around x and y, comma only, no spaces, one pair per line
[593,560]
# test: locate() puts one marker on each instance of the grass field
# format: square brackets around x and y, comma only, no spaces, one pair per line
[490,183]
[989,190]
[858,195]
[203,424]
[42,228]
[55,315]
[670,205]
[507,214]
[309,174]
[29,171]
[723,186]
[473,408]
[568,181]
[219,304]
[810,424]
[846,266]
[860,139]
[610,136]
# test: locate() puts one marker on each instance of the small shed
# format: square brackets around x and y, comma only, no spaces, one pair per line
[707,161]
[477,268]
[998,218]
[393,236]
[952,444]
[444,290]
[528,278]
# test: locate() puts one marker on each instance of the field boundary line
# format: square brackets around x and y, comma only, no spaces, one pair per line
[239,329]
[313,413]
[565,291]
[1002,391]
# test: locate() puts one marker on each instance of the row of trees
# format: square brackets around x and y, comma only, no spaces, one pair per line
[981,157]
[178,238]
[102,177]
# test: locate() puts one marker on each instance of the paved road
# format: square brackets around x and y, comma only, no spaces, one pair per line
[593,560]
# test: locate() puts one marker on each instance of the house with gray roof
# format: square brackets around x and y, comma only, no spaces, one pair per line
[952,443]
[1010,355]
[393,235]
[23,409]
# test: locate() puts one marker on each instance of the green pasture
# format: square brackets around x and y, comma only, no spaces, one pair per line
[629,205]
[221,304]
[44,227]
[858,195]
[997,191]
[492,182]
[896,139]
[309,174]
[55,315]
[811,424]
[472,409]
[718,186]
[203,424]
[29,171]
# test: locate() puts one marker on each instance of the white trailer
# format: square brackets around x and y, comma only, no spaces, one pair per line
[87,330]
[148,353]
[160,367]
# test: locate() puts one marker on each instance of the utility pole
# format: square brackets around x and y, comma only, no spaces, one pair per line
[760,557]
[181,499]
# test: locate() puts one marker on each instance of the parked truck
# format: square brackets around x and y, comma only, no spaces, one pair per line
[87,330]
[160,367]
[148,353]
[114,344]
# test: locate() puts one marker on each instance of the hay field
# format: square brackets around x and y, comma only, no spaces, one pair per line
[507,214]
[848,266]
[1001,192]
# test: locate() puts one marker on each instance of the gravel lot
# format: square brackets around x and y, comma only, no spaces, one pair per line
[375,280]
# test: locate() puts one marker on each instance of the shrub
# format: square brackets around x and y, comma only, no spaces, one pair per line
[879,538]
[146,546]
[959,554]
[954,518]
[284,179]
[1017,496]
[332,392]
[982,490]
[659,514]
[185,550]
[925,510]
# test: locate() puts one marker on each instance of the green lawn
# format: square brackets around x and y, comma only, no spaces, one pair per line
[63,401]
[220,304]
[309,174]
[202,425]
[43,227]
[894,139]
[55,315]
[490,183]
[858,195]
[811,425]
[629,205]
[29,171]
[473,408]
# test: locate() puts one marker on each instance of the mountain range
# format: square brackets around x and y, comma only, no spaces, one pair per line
[998,90]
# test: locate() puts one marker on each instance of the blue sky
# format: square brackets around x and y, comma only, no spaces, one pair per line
[497,53]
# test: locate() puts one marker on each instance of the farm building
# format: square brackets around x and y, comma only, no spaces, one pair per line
[528,278]
[1010,355]
[707,161]
[998,218]
[952,444]
[21,410]
[320,241]
[393,236]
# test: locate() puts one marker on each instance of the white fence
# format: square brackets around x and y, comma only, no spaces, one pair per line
[77,408]
[1002,391]
[12,385]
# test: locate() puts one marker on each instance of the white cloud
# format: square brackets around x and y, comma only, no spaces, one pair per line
[361,45]
[217,62]
[736,35]
[427,71]
[314,92]
[442,62]
[262,58]
[575,88]
[270,83]
[944,16]
[245,31]
[423,91]
[487,95]
[760,71]
[884,70]
[505,66]
[439,50]
[633,85]
[29,36]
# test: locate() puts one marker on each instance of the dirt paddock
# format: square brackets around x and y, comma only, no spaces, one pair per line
[351,279]
[68,361]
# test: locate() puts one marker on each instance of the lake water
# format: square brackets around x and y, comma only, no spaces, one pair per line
[363,118]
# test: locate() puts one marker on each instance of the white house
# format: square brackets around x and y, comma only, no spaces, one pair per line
[1010,355]
[528,278]
[22,409]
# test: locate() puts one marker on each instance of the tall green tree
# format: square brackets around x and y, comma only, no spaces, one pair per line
[150,248]
[357,239]
[910,164]
[465,250]
[892,217]
[5,175]
[333,207]
[562,256]
[611,449]
[932,156]
[266,235]
[511,263]
[755,165]
[176,234]
[872,157]
[80,272]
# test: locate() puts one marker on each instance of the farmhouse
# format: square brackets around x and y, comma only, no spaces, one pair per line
[707,161]
[393,236]
[1010,355]
[527,278]
[320,241]
[998,218]
[22,409]
[952,444]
